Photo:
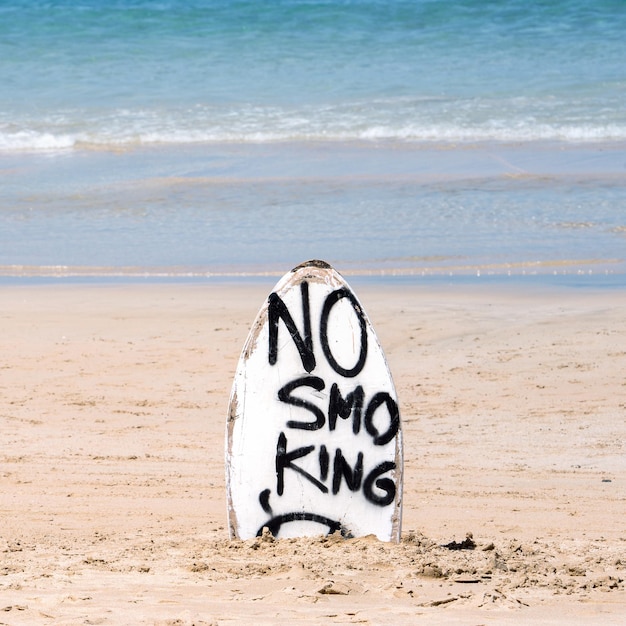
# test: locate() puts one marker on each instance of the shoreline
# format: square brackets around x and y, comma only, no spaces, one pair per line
[525,277]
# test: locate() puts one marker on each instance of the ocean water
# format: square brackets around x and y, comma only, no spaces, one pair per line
[211,136]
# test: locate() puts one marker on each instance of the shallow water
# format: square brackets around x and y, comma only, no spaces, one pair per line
[186,138]
[250,209]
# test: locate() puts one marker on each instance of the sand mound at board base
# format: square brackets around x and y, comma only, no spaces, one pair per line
[110,578]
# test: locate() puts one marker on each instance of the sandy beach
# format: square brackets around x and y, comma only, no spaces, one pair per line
[112,493]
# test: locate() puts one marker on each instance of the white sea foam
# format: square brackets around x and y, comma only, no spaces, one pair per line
[423,120]
[35,141]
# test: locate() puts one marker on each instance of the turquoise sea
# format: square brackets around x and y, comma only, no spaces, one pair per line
[211,137]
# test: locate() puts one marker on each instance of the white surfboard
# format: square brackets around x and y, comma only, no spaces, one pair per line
[313,437]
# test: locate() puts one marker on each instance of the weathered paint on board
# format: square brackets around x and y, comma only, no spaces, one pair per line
[313,441]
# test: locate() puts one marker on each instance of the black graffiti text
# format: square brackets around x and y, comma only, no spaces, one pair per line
[371,415]
[303,339]
[376,488]
[380,417]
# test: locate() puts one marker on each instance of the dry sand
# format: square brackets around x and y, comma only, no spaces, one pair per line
[112,411]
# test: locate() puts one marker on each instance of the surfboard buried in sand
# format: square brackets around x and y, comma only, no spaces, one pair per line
[313,437]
